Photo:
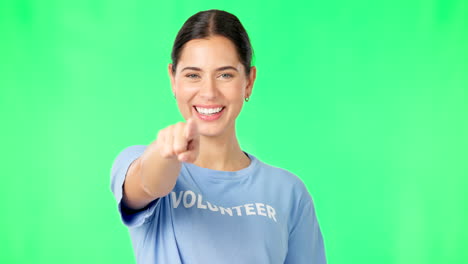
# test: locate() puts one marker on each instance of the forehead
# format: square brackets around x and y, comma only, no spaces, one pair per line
[210,52]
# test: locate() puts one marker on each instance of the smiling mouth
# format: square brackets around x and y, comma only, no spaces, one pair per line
[209,111]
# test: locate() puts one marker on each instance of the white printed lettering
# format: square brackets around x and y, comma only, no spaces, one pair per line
[228,210]
[175,200]
[192,200]
[260,208]
[189,198]
[249,209]
[213,208]
[199,202]
[239,213]
[271,212]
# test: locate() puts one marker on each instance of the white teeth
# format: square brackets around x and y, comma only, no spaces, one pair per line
[208,111]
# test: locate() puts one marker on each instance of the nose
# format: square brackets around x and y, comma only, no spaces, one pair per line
[208,90]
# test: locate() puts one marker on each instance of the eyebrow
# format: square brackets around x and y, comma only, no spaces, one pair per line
[218,69]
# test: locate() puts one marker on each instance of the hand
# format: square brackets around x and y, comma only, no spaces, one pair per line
[180,141]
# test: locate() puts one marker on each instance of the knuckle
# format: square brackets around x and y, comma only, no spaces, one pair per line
[166,153]
[179,126]
[169,128]
[178,147]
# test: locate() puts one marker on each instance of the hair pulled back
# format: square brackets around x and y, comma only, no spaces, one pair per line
[210,23]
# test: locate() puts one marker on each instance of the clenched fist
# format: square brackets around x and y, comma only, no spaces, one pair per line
[180,141]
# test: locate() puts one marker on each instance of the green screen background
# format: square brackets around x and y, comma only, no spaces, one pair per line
[366,101]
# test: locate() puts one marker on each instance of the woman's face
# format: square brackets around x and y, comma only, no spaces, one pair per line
[209,76]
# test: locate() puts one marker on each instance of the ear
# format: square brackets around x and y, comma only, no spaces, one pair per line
[251,80]
[171,76]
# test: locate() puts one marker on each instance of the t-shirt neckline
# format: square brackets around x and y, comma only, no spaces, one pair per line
[223,175]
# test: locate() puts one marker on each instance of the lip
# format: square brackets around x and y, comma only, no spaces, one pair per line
[208,106]
[209,117]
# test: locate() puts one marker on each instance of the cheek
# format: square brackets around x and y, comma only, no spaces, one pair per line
[186,90]
[185,83]
[234,88]
[236,93]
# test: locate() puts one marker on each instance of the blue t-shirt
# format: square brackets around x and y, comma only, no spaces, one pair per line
[259,214]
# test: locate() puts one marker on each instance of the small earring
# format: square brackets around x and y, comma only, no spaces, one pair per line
[174,96]
[247,99]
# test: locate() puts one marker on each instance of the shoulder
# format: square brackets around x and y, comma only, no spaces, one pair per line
[126,156]
[289,181]
[130,152]
[135,149]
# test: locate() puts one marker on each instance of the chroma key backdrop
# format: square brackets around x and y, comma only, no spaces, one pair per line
[365,101]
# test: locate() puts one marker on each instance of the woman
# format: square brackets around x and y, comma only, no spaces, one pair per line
[193,195]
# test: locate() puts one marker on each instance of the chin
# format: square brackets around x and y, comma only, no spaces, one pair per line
[210,131]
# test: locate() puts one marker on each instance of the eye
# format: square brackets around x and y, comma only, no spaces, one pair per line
[227,75]
[192,76]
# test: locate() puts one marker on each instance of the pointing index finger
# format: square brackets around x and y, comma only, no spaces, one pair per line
[191,130]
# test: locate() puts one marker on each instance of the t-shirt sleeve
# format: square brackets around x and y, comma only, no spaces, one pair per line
[305,243]
[129,217]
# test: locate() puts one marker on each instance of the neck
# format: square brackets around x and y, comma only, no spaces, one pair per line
[221,153]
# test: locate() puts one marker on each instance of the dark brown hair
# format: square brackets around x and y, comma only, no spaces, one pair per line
[210,23]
